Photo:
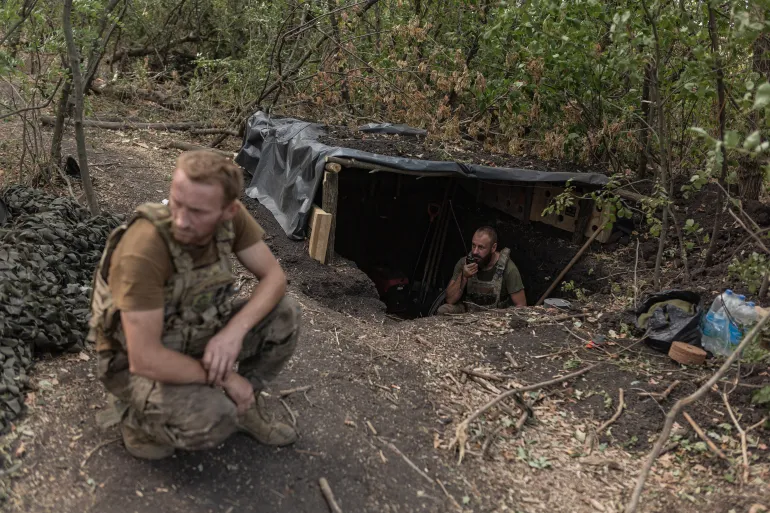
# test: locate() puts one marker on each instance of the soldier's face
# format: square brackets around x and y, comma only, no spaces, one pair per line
[196,209]
[482,248]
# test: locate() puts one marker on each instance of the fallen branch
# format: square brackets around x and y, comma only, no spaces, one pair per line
[461,435]
[117,125]
[514,363]
[633,503]
[560,318]
[703,436]
[612,419]
[744,443]
[181,145]
[93,451]
[407,460]
[284,393]
[663,395]
[494,377]
[452,499]
[329,495]
[291,413]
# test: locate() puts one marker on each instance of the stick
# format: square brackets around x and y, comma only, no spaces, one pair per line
[374,168]
[569,266]
[663,395]
[612,419]
[452,499]
[560,318]
[93,451]
[421,340]
[703,436]
[744,450]
[494,377]
[329,495]
[636,267]
[284,393]
[181,145]
[407,460]
[291,413]
[113,125]
[371,428]
[511,359]
[633,503]
[488,442]
[460,432]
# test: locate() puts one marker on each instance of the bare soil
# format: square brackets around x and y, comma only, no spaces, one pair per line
[403,380]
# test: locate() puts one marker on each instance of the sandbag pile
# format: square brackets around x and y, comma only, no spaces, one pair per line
[49,249]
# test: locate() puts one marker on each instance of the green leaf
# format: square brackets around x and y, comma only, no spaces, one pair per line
[761,396]
[752,141]
[749,85]
[466,499]
[698,130]
[732,138]
[762,98]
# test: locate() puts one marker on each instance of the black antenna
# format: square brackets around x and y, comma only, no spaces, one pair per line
[458,225]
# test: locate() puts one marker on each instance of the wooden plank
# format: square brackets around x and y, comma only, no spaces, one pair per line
[320,225]
[330,195]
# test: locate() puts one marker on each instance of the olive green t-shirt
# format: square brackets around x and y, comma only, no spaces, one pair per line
[141,263]
[511,278]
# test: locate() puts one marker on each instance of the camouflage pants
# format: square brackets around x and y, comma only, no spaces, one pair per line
[197,416]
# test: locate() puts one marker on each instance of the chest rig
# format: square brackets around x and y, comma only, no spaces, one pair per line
[487,293]
[196,299]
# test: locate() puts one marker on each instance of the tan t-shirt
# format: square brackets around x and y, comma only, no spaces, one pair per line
[141,263]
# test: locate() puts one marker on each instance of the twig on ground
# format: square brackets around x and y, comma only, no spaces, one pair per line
[621,405]
[744,449]
[663,395]
[452,499]
[560,318]
[93,451]
[407,460]
[284,393]
[486,385]
[511,359]
[291,413]
[494,377]
[636,267]
[329,495]
[703,436]
[371,428]
[755,426]
[461,435]
[488,442]
[421,340]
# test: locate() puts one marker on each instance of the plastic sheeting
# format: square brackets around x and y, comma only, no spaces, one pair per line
[286,162]
[670,316]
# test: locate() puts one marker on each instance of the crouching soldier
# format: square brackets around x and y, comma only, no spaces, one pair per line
[167,332]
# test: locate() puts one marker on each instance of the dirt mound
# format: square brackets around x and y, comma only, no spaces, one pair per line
[463,151]
[341,286]
[47,257]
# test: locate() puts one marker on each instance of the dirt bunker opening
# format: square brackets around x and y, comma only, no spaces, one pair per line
[408,232]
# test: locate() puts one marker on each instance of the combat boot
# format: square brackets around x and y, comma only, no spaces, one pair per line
[257,424]
[140,445]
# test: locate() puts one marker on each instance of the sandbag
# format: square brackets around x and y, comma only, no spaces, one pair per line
[669,316]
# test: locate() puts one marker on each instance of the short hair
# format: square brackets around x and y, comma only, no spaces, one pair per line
[491,232]
[205,166]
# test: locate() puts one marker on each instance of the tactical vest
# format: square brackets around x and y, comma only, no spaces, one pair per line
[487,293]
[196,299]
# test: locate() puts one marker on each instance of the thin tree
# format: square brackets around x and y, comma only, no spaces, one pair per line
[77,91]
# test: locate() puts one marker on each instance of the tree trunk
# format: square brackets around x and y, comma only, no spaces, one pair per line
[77,84]
[750,172]
[644,142]
[721,105]
[58,128]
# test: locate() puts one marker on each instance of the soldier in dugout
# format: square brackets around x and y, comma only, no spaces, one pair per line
[166,329]
[486,277]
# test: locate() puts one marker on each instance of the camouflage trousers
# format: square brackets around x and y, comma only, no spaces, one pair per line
[447,309]
[195,417]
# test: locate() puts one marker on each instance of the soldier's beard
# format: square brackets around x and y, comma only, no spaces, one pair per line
[484,262]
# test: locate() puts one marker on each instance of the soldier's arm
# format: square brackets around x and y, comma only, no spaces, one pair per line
[148,357]
[519,298]
[454,290]
[259,260]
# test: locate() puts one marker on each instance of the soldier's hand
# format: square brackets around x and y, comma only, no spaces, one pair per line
[220,355]
[240,391]
[470,269]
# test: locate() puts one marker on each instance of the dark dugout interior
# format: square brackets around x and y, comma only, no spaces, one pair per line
[408,232]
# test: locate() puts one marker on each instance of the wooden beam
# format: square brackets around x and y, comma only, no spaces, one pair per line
[375,168]
[330,194]
[320,225]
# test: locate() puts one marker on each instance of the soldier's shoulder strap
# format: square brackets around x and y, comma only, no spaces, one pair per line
[160,216]
[502,262]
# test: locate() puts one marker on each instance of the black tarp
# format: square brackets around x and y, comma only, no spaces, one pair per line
[286,162]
